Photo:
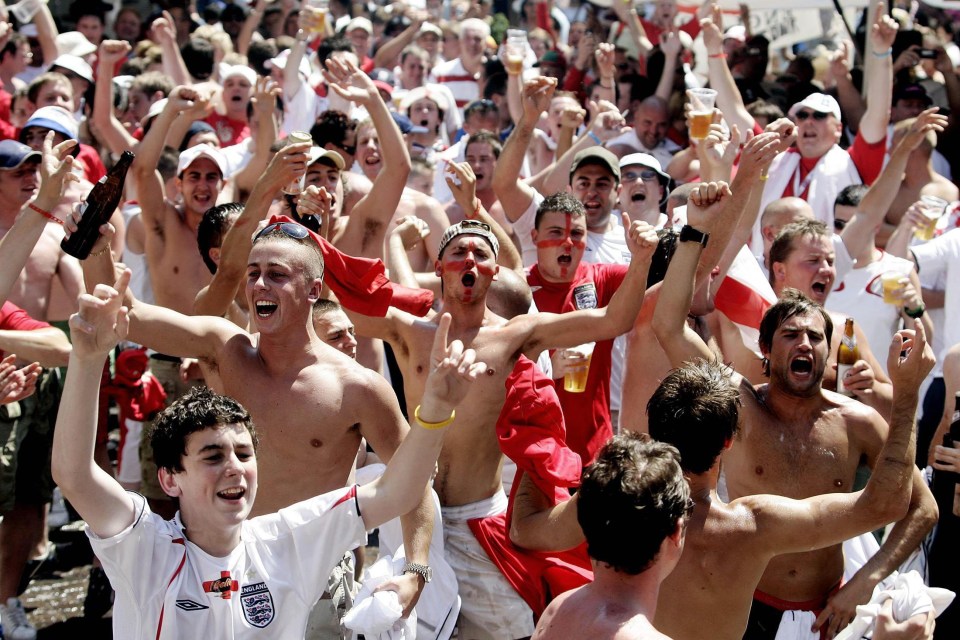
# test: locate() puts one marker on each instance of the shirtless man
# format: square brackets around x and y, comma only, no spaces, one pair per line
[176,269]
[482,152]
[19,179]
[468,478]
[276,372]
[370,157]
[634,505]
[696,410]
[797,440]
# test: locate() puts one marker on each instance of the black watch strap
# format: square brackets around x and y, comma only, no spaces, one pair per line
[689,234]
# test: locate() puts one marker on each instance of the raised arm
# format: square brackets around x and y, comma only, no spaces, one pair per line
[909,532]
[878,76]
[48,346]
[388,54]
[249,27]
[367,223]
[875,204]
[165,35]
[109,129]
[728,96]
[512,192]
[18,243]
[671,46]
[627,14]
[287,165]
[264,104]
[465,195]
[678,340]
[563,330]
[46,33]
[539,525]
[147,179]
[96,495]
[607,124]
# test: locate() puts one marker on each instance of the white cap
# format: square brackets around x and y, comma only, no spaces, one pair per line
[190,155]
[156,108]
[56,119]
[75,43]
[818,102]
[318,153]
[75,64]
[429,27]
[737,32]
[419,93]
[359,23]
[227,70]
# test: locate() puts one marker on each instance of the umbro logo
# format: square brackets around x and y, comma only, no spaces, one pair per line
[190,605]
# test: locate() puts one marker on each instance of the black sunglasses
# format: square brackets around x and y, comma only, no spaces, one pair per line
[816,115]
[838,224]
[645,175]
[350,149]
[474,224]
[289,229]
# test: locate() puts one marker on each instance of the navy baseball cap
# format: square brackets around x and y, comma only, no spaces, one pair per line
[13,154]
[406,125]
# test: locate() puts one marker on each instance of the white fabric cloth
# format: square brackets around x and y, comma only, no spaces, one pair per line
[168,588]
[833,172]
[936,260]
[378,615]
[489,602]
[140,284]
[439,605]
[910,597]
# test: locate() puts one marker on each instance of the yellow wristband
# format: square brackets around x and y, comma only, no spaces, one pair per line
[433,426]
[763,177]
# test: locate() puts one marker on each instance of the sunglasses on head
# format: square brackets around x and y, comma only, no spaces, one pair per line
[474,224]
[838,224]
[645,175]
[289,229]
[816,115]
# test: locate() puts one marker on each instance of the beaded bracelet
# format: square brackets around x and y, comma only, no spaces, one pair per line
[46,214]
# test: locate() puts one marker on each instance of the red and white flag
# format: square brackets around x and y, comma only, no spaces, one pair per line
[744,296]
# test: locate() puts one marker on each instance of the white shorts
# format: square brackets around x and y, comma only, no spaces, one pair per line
[488,600]
[128,458]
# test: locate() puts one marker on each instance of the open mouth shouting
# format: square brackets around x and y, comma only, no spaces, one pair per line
[802,365]
[468,279]
[565,260]
[265,309]
[819,289]
[232,494]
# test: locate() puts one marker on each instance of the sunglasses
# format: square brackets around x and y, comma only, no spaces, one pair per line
[474,224]
[816,115]
[350,149]
[838,224]
[289,229]
[646,175]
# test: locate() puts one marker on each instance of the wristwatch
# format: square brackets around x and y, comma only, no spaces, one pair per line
[689,234]
[915,313]
[421,570]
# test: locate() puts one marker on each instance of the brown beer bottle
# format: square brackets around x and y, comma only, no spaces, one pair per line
[101,202]
[846,355]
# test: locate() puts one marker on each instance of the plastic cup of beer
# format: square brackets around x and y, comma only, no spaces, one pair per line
[893,281]
[318,10]
[576,381]
[701,111]
[932,208]
[515,50]
[296,187]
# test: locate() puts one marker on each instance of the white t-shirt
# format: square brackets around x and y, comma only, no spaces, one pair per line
[454,76]
[940,259]
[860,296]
[663,152]
[168,588]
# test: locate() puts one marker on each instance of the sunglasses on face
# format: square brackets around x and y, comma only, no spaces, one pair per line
[816,115]
[289,229]
[838,224]
[645,175]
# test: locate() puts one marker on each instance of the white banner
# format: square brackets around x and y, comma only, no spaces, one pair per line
[786,27]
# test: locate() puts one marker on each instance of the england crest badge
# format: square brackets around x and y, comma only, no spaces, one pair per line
[257,603]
